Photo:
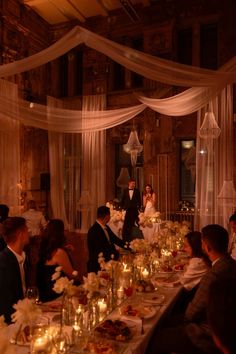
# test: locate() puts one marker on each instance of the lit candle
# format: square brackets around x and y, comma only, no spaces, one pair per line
[79,309]
[102,306]
[145,273]
[39,344]
[126,269]
[120,292]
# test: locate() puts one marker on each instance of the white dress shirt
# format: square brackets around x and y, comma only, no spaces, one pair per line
[105,231]
[131,192]
[21,260]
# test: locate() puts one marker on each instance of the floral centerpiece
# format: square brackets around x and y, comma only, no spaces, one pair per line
[63,284]
[25,315]
[140,245]
[5,346]
[116,215]
[91,285]
[148,220]
[65,287]
[172,234]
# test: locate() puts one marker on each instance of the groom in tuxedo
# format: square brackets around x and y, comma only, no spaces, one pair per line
[131,202]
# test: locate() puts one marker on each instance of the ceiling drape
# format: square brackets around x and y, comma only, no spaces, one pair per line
[204,86]
[10,186]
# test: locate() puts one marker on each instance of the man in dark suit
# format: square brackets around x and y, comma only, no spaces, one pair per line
[222,314]
[101,239]
[194,334]
[12,259]
[131,202]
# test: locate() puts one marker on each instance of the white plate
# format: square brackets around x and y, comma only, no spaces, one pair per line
[151,312]
[155,299]
[142,311]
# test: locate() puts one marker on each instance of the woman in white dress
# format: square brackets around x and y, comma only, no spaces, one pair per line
[198,262]
[149,200]
[198,265]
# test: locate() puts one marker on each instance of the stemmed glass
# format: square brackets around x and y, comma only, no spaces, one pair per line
[32,293]
[61,342]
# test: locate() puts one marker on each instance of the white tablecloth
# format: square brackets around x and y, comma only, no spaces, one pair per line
[138,344]
[150,231]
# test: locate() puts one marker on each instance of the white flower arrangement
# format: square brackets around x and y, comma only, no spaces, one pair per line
[140,245]
[26,312]
[117,215]
[63,284]
[139,260]
[101,260]
[91,284]
[109,205]
[5,346]
[149,220]
[172,234]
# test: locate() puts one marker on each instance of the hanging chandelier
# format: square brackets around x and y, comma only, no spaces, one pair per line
[133,146]
[209,128]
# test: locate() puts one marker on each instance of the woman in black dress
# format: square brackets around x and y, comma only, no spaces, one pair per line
[53,254]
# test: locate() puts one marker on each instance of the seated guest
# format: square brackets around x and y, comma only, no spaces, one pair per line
[198,263]
[52,254]
[194,270]
[36,223]
[194,335]
[12,271]
[4,210]
[232,237]
[101,239]
[222,314]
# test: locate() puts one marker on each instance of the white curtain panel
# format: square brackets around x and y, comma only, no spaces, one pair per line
[93,162]
[10,186]
[56,167]
[214,165]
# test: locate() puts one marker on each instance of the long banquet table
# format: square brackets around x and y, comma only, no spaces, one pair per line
[138,343]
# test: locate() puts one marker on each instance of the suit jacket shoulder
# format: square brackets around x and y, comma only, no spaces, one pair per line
[196,310]
[10,283]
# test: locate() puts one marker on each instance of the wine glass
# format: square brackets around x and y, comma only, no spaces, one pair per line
[61,342]
[32,293]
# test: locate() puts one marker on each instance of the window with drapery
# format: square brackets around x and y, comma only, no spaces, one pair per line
[187,171]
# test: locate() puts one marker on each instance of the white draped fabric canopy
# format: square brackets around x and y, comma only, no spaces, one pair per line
[205,86]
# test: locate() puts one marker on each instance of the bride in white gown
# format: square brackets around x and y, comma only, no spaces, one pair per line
[149,200]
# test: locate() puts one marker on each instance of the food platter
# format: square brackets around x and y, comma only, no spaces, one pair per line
[99,346]
[115,329]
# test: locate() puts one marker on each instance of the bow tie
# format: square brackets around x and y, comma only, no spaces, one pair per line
[131,189]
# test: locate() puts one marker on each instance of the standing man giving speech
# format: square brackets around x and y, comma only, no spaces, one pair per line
[131,202]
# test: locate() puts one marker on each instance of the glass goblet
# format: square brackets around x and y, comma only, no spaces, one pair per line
[61,342]
[32,293]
